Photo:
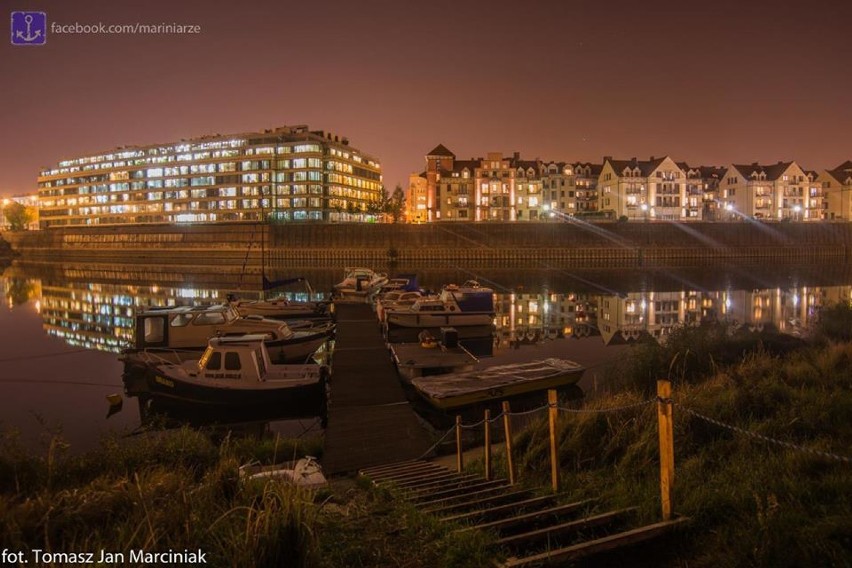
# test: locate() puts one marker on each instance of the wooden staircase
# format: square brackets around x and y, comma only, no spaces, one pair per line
[534,529]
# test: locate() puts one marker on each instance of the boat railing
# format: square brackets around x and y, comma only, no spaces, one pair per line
[160,357]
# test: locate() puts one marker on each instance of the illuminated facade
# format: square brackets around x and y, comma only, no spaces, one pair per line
[502,188]
[837,185]
[285,174]
[646,189]
[415,202]
[773,192]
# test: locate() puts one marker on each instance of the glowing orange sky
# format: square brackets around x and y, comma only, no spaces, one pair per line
[565,80]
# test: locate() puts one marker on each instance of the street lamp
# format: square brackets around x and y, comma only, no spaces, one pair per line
[644,208]
[797,209]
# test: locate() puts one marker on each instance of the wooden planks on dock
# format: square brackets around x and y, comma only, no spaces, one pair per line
[370,419]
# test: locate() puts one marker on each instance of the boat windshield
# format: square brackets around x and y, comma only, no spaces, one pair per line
[205,357]
[230,314]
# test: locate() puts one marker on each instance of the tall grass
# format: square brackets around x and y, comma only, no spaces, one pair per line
[752,503]
[172,490]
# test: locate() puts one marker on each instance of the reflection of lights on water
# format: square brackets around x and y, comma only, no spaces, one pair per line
[37,305]
[795,299]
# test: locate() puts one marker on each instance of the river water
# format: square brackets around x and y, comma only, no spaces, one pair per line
[63,324]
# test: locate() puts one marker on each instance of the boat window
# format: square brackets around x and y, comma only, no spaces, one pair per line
[232,361]
[154,330]
[230,315]
[209,318]
[261,362]
[181,320]
[214,361]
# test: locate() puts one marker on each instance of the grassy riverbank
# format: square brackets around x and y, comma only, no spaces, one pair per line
[171,490]
[752,502]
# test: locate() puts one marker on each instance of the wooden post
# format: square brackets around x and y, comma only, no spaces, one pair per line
[666,427]
[507,426]
[459,458]
[487,425]
[554,458]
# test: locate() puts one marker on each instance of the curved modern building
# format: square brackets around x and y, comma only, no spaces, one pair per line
[286,174]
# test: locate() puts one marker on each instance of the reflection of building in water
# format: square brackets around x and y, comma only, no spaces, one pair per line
[101,316]
[18,290]
[531,318]
[638,315]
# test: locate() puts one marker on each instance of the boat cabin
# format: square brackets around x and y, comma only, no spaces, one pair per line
[242,358]
[191,326]
[469,297]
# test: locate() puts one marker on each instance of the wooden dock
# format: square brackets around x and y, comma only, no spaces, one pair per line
[370,420]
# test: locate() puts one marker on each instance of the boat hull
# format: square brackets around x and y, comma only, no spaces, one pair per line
[232,395]
[297,349]
[420,320]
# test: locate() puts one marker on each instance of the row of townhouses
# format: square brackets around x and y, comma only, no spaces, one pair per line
[509,188]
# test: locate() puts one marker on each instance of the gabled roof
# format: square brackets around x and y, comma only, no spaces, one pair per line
[843,172]
[773,172]
[441,150]
[645,166]
[595,169]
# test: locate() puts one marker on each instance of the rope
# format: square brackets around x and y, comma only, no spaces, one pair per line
[534,410]
[435,445]
[761,437]
[496,418]
[605,410]
[474,425]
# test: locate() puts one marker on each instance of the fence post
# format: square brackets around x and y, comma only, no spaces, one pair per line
[666,427]
[487,445]
[507,426]
[554,459]
[459,458]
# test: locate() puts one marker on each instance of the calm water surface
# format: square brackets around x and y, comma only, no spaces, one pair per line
[62,325]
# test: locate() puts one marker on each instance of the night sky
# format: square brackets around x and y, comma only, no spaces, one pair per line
[568,80]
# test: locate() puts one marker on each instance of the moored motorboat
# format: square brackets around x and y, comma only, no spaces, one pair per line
[458,390]
[395,300]
[359,283]
[238,372]
[456,306]
[181,333]
[280,308]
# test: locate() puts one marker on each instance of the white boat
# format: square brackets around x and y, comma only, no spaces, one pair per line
[280,308]
[394,300]
[181,333]
[238,372]
[456,306]
[360,283]
[456,390]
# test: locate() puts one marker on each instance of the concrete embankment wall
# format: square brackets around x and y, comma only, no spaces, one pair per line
[473,244]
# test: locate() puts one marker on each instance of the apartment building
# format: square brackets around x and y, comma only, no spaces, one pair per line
[416,199]
[837,187]
[284,174]
[646,189]
[773,192]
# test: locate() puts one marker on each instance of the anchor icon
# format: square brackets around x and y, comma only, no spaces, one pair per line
[36,28]
[30,36]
